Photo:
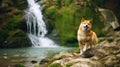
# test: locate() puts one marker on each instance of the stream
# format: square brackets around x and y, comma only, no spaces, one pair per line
[42,46]
[10,57]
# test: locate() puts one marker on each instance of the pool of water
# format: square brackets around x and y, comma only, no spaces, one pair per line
[10,57]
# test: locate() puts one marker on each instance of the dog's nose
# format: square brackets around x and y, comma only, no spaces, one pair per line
[86,26]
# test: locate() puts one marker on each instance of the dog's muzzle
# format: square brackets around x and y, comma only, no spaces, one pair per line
[86,27]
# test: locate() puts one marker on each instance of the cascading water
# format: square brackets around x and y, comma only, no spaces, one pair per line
[36,27]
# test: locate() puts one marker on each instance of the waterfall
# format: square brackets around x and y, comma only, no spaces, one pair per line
[36,27]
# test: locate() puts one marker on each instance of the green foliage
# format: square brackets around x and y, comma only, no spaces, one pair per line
[55,65]
[68,65]
[10,22]
[20,4]
[13,22]
[52,12]
[19,65]
[67,18]
[59,3]
[110,40]
[68,2]
[36,66]
[15,33]
[3,36]
[90,13]
[99,3]
[77,50]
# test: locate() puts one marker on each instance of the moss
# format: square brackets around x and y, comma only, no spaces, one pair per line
[68,65]
[64,24]
[15,33]
[99,3]
[5,9]
[13,12]
[20,4]
[14,22]
[55,65]
[110,40]
[77,50]
[36,66]
[19,65]
[67,18]
[11,28]
[3,36]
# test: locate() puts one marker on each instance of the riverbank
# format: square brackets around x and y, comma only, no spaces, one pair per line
[105,54]
[28,57]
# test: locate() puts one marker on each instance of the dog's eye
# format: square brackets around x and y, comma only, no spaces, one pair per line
[88,23]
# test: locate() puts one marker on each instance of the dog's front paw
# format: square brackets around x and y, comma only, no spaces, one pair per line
[81,52]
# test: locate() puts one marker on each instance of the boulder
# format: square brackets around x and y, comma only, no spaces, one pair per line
[76,61]
[17,39]
[106,54]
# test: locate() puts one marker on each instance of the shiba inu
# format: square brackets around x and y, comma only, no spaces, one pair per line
[86,37]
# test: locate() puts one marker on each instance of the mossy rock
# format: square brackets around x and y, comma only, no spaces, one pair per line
[17,42]
[3,35]
[67,18]
[19,65]
[17,39]
[55,65]
[77,50]
[68,65]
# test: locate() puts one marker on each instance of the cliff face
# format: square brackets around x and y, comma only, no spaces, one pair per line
[65,17]
[12,26]
[114,6]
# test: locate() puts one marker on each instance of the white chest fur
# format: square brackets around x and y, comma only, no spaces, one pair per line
[83,37]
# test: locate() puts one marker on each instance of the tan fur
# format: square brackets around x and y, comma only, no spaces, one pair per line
[86,37]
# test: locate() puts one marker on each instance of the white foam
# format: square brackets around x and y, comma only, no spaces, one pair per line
[36,27]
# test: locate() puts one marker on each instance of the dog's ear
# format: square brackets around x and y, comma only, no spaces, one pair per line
[82,19]
[91,20]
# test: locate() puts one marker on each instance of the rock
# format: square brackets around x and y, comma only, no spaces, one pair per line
[63,55]
[17,39]
[118,55]
[18,65]
[33,61]
[13,12]
[106,54]
[5,54]
[55,65]
[5,57]
[18,42]
[44,61]
[87,63]
[77,62]
[110,61]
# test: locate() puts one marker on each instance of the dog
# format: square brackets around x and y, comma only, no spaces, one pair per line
[86,37]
